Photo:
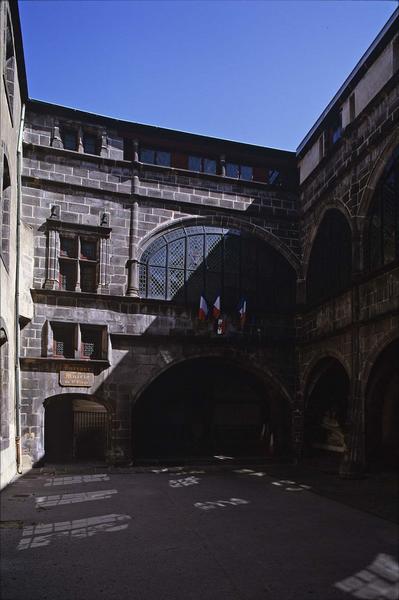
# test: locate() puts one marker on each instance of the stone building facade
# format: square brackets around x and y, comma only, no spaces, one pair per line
[130,226]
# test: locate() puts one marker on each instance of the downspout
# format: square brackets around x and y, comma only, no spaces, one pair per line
[17,270]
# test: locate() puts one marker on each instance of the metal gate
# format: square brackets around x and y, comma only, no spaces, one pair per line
[90,434]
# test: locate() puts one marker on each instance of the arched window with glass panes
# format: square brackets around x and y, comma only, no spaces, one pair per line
[185,263]
[382,242]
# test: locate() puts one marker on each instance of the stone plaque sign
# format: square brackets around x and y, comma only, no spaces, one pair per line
[76,379]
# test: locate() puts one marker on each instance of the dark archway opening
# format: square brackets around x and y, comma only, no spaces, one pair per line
[75,429]
[382,410]
[207,407]
[327,411]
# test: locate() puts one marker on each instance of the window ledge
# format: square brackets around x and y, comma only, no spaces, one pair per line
[76,362]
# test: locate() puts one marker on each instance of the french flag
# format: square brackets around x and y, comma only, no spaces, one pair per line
[242,309]
[216,308]
[203,309]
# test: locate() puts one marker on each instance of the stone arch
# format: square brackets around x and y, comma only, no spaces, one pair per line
[377,219]
[167,402]
[335,204]
[328,353]
[373,355]
[374,177]
[76,426]
[222,221]
[326,397]
[261,371]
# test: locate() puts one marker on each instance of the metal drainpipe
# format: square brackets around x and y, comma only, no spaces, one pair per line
[17,270]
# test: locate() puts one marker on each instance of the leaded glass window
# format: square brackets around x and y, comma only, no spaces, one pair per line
[382,246]
[185,263]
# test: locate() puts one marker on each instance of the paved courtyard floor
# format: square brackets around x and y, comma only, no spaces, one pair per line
[194,533]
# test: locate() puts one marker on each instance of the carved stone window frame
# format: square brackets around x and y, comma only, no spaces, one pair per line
[55,229]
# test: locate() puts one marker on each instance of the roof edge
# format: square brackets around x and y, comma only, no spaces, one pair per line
[389,30]
[123,123]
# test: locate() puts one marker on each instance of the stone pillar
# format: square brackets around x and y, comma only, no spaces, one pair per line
[51,282]
[132,264]
[135,151]
[104,145]
[80,140]
[57,141]
[222,162]
[103,266]
[353,461]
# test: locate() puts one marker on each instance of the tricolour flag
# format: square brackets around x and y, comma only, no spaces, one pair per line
[242,309]
[203,309]
[216,308]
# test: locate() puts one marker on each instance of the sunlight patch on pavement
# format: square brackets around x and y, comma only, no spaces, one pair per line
[378,581]
[291,486]
[220,503]
[43,534]
[45,501]
[72,479]
[183,482]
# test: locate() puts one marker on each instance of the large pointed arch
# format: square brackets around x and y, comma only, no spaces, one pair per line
[329,269]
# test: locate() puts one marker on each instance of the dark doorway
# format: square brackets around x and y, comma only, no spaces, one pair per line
[326,411]
[382,410]
[206,407]
[75,429]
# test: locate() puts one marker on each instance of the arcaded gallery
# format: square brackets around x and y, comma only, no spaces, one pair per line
[180,297]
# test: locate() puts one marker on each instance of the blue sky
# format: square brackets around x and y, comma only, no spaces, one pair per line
[254,71]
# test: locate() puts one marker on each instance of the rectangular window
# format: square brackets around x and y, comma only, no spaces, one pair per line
[88,277]
[64,340]
[274,177]
[147,156]
[68,275]
[195,163]
[202,165]
[79,255]
[336,127]
[232,170]
[79,341]
[155,157]
[162,158]
[239,171]
[91,342]
[68,247]
[69,139]
[90,143]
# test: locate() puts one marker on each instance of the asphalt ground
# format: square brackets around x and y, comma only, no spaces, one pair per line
[201,533]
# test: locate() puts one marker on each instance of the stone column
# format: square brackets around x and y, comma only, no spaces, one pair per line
[222,163]
[57,141]
[51,282]
[104,145]
[132,264]
[103,266]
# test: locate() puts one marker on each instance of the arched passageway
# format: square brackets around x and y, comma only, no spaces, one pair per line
[75,428]
[206,407]
[326,410]
[382,410]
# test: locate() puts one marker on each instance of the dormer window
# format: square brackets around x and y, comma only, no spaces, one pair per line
[155,157]
[336,127]
[69,139]
[239,171]
[90,143]
[202,165]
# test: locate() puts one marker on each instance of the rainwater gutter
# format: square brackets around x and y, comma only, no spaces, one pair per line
[17,286]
